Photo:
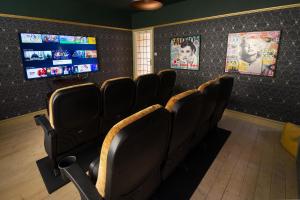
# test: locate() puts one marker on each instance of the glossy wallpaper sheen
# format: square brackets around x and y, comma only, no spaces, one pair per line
[275,97]
[19,96]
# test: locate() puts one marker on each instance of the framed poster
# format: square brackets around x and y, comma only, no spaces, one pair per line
[185,52]
[252,52]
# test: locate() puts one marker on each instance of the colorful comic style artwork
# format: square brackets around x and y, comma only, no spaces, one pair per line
[252,52]
[185,52]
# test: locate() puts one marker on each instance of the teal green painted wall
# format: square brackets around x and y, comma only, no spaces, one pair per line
[85,11]
[191,9]
[93,11]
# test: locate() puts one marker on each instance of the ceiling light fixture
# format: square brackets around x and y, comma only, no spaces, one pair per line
[146,4]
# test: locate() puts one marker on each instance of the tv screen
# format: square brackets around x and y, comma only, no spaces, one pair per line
[46,55]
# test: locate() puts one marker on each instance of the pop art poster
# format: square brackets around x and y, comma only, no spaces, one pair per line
[252,52]
[185,52]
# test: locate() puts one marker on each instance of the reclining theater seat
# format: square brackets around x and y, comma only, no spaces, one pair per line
[118,96]
[167,80]
[210,92]
[186,109]
[132,154]
[146,91]
[226,84]
[74,115]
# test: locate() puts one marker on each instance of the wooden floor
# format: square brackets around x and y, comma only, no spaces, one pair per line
[251,165]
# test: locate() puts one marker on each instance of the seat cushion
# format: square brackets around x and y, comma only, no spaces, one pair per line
[290,138]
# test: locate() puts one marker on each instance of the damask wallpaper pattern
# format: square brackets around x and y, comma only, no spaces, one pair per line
[19,96]
[275,98]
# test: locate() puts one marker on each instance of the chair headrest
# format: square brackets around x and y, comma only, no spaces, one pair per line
[173,100]
[73,106]
[226,85]
[226,78]
[166,85]
[171,74]
[118,96]
[146,90]
[147,78]
[203,86]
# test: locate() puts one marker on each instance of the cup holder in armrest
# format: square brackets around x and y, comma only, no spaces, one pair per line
[64,164]
[36,119]
[67,161]
[70,170]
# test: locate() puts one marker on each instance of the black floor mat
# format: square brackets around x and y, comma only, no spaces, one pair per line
[52,183]
[182,183]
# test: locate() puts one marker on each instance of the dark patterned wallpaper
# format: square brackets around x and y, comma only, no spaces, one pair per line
[275,98]
[18,96]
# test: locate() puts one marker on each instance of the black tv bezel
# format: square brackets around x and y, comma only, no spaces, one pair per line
[58,76]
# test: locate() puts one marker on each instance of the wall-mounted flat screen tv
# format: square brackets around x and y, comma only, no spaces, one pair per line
[46,55]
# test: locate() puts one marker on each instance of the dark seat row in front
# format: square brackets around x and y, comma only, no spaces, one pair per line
[81,114]
[143,149]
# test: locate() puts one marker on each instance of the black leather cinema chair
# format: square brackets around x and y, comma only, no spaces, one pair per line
[146,91]
[167,80]
[118,101]
[74,120]
[186,109]
[226,84]
[130,161]
[210,91]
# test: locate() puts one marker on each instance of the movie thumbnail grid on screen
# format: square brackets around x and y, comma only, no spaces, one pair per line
[62,39]
[47,55]
[60,70]
[31,55]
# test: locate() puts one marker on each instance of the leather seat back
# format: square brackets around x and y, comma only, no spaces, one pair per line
[210,92]
[74,113]
[146,90]
[186,109]
[118,101]
[167,80]
[226,85]
[225,88]
[132,154]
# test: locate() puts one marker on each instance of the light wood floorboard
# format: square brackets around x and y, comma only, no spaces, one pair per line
[251,164]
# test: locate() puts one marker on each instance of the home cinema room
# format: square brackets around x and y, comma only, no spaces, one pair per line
[149,99]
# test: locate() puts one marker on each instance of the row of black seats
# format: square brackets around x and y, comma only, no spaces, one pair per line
[145,148]
[81,114]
